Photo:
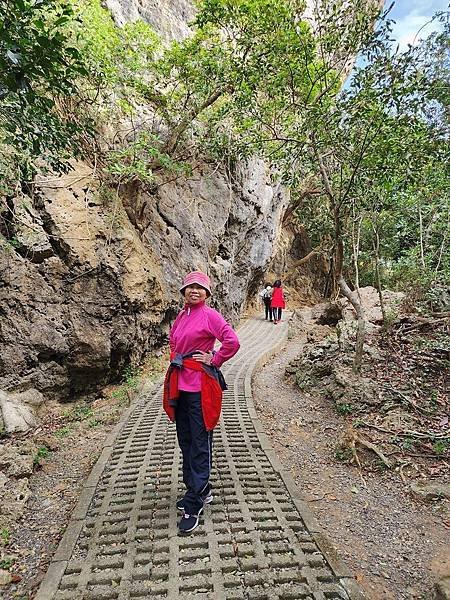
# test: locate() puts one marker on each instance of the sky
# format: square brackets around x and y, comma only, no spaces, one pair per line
[410,16]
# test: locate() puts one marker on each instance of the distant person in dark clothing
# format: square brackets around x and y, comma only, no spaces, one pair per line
[277,302]
[266,297]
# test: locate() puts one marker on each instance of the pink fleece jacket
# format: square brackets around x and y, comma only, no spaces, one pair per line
[196,328]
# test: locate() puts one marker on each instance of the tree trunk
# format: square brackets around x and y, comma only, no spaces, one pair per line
[352,297]
[422,254]
[173,139]
[356,238]
[376,248]
[338,245]
[327,292]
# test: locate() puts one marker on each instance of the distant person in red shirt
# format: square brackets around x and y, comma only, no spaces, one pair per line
[193,389]
[277,303]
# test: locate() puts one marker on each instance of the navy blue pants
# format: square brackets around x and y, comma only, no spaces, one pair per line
[196,447]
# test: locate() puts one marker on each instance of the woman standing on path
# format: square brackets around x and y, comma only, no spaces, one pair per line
[193,390]
[277,303]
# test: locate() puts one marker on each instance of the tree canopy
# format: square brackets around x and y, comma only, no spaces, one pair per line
[365,159]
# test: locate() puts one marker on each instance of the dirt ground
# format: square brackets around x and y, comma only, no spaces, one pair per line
[396,547]
[54,493]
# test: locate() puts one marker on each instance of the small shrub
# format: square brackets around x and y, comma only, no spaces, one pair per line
[343,454]
[5,536]
[7,562]
[119,394]
[80,413]
[407,444]
[63,432]
[391,317]
[344,408]
[43,452]
[440,447]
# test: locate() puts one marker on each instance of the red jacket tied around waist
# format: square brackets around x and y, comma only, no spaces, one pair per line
[210,392]
[196,328]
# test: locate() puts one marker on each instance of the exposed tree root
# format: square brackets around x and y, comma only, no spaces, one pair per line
[351,438]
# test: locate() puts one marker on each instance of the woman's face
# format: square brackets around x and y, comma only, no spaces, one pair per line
[194,294]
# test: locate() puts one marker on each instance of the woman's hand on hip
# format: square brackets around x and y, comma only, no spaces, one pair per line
[204,357]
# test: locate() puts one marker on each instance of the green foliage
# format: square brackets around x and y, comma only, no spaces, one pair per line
[131,377]
[62,432]
[119,59]
[9,164]
[35,52]
[43,452]
[5,536]
[343,408]
[80,412]
[241,54]
[383,145]
[343,454]
[135,162]
[9,244]
[440,447]
[39,66]
[408,443]
[7,562]
[131,380]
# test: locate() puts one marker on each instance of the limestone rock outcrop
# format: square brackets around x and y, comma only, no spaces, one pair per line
[18,411]
[70,320]
[93,283]
[170,18]
[371,303]
[16,466]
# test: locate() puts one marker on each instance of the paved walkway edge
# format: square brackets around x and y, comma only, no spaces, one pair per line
[57,567]
[325,545]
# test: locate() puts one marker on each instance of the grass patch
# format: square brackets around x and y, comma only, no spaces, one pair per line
[440,447]
[80,412]
[343,454]
[344,408]
[5,536]
[63,432]
[43,452]
[7,562]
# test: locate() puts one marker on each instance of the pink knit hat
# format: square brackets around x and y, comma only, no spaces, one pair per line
[199,278]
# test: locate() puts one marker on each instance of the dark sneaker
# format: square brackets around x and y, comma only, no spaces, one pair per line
[189,522]
[207,499]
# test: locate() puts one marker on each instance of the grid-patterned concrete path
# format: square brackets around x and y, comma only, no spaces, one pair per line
[256,541]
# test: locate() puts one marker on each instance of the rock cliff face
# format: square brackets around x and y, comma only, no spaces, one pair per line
[169,17]
[91,282]
[79,294]
[226,228]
